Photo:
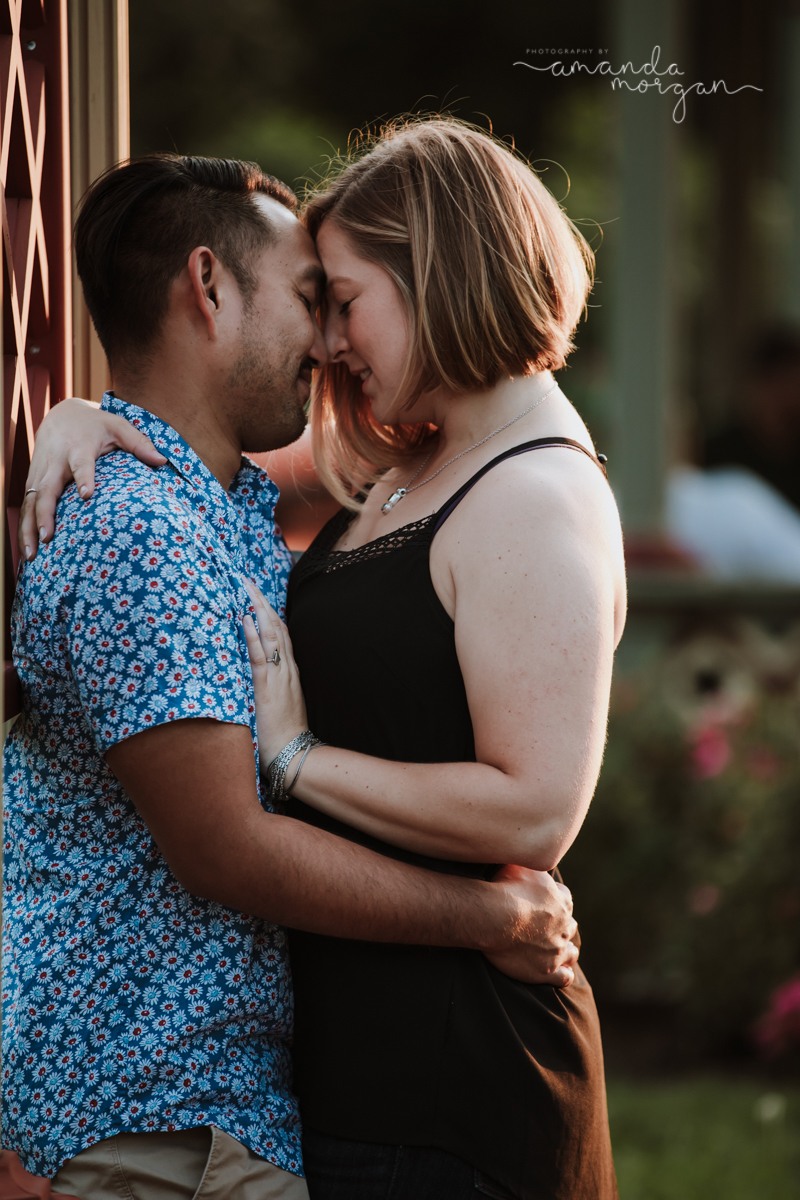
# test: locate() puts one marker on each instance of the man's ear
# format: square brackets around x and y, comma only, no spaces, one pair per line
[205,275]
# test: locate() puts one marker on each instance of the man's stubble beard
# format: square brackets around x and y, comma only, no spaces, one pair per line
[262,391]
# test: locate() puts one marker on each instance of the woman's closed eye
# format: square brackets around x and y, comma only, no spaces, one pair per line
[345,308]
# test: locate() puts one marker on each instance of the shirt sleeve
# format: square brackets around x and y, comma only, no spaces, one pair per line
[150,615]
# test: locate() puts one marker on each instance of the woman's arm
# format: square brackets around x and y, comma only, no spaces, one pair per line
[536,605]
[70,439]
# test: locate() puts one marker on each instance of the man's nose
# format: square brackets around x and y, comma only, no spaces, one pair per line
[319,351]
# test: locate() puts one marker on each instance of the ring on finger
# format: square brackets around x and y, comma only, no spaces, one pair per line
[275,657]
[28,492]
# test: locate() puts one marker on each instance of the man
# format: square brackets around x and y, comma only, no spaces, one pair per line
[147,1001]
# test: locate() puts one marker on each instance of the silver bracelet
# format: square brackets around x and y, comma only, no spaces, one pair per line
[276,770]
[306,753]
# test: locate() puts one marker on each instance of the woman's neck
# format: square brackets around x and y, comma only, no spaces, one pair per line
[465,420]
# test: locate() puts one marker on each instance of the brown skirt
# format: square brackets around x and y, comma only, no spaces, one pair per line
[408,1045]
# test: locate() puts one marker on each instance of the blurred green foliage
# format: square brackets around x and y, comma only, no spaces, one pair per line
[685,874]
[705,1139]
[201,71]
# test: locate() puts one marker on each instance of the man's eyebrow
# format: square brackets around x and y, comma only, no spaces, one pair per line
[315,273]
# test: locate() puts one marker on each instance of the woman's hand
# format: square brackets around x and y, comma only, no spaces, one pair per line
[280,706]
[72,436]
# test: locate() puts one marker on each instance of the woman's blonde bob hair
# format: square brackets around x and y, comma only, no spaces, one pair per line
[493,273]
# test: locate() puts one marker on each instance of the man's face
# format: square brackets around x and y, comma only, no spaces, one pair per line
[279,339]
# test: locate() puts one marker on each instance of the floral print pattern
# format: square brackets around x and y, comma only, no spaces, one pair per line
[129,1004]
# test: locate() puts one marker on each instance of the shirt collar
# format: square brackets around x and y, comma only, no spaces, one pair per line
[250,478]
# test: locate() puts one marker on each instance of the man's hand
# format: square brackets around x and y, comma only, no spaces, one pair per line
[540,949]
[72,436]
[194,784]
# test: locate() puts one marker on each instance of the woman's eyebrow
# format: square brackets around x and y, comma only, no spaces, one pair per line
[338,279]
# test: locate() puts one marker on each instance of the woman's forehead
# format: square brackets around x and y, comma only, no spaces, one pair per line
[335,245]
[341,261]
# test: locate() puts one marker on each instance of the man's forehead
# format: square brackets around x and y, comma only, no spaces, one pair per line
[279,216]
[293,242]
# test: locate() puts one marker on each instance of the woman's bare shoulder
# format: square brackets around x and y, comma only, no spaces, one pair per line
[546,490]
[549,512]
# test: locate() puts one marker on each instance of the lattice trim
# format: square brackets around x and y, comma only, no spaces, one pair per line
[22,99]
[34,218]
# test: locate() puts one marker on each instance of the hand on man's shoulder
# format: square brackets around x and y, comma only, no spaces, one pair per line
[130,586]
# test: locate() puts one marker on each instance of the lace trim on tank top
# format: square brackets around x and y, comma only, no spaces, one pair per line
[320,558]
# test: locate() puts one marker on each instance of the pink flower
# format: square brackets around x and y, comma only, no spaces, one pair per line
[711,752]
[703,899]
[779,1028]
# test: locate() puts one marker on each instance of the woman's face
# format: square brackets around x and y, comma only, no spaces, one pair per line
[367,323]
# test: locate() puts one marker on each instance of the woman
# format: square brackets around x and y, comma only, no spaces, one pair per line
[454,627]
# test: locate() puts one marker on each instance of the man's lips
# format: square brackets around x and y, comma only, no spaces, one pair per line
[304,381]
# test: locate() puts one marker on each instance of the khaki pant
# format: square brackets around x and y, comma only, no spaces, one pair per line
[190,1164]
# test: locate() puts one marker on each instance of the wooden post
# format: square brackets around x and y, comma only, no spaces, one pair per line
[644,292]
[790,307]
[35,207]
[100,123]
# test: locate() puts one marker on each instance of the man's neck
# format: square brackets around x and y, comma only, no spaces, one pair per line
[181,403]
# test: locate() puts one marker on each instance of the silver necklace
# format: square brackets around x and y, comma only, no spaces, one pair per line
[397,496]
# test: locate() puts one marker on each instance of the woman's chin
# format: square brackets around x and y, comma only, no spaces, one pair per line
[379,412]
[386,412]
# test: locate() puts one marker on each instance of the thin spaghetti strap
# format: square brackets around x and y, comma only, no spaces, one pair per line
[538,444]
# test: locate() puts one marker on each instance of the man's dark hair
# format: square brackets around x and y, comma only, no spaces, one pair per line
[140,221]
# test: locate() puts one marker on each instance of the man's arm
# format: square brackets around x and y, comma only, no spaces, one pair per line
[193,782]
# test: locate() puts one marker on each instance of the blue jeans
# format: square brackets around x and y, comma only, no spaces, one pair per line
[337,1169]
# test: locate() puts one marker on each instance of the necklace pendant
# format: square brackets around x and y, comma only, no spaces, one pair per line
[393,499]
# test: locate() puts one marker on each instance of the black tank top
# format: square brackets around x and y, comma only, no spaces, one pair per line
[421,1045]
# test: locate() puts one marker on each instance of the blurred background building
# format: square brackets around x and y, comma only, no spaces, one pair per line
[687,372]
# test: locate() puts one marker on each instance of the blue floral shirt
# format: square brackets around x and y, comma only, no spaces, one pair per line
[129,1004]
